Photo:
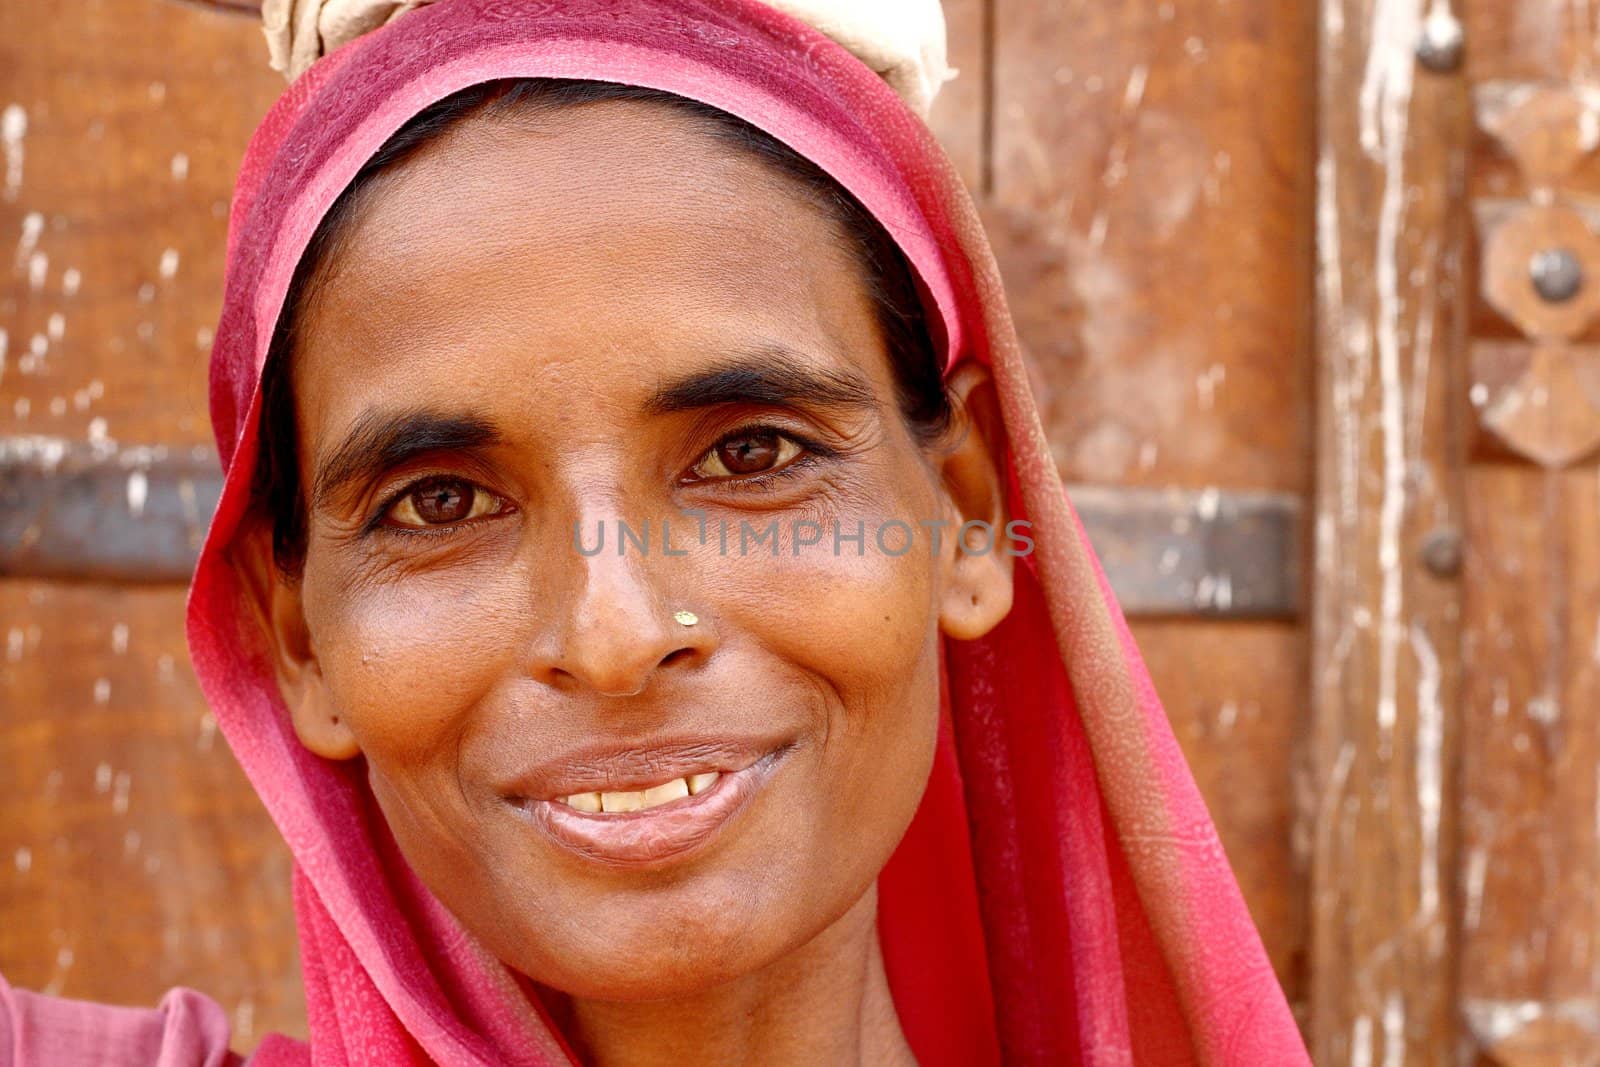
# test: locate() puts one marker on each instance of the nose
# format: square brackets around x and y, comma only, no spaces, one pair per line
[614,628]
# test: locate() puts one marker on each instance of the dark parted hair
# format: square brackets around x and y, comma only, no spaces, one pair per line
[919,383]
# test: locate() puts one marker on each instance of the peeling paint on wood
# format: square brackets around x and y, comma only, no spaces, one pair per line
[1386,646]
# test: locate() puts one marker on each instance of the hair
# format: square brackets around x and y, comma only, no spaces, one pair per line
[919,385]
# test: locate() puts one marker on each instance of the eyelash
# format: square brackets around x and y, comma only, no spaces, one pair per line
[810,454]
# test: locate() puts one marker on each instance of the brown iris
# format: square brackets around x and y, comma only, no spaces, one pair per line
[442,502]
[749,453]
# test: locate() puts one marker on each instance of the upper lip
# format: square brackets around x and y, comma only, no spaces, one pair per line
[618,766]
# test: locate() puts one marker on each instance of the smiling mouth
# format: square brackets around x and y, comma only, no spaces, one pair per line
[654,825]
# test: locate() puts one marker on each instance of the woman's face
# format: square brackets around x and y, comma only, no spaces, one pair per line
[604,315]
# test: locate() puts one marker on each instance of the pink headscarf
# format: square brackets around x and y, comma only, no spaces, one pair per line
[1061,896]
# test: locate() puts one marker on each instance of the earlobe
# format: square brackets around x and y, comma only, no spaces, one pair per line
[318,725]
[977,564]
[278,606]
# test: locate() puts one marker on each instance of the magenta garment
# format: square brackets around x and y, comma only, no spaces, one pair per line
[186,1030]
[1061,896]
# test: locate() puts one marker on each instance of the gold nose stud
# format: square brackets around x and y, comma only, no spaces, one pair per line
[686,618]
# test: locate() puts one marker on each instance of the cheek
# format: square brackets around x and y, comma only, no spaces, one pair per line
[862,609]
[405,662]
[862,627]
[861,624]
[866,635]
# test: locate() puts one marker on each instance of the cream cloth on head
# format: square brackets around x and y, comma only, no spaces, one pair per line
[903,40]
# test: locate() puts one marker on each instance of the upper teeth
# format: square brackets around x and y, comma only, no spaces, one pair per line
[641,799]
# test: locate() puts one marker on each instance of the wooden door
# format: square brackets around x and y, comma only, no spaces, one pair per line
[1271,265]
[1456,668]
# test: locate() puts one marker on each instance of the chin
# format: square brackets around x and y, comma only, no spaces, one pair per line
[660,952]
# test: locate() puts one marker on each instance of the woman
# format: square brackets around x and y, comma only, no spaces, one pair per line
[641,593]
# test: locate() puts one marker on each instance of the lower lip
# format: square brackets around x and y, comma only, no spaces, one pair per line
[656,836]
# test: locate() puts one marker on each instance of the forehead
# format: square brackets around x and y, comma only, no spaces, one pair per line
[600,243]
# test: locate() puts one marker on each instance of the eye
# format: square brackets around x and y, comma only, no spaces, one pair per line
[745,453]
[442,502]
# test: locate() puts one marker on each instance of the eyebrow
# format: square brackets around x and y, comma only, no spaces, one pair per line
[380,440]
[771,375]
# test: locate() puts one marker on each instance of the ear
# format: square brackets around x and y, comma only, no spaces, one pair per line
[276,600]
[976,568]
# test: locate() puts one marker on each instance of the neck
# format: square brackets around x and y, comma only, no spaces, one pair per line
[827,1002]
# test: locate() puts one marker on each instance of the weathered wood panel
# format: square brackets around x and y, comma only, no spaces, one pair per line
[1150,203]
[1151,194]
[133,854]
[1531,751]
[1386,630]
[128,123]
[1530,958]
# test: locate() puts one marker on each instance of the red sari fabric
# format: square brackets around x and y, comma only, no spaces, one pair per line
[1061,897]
